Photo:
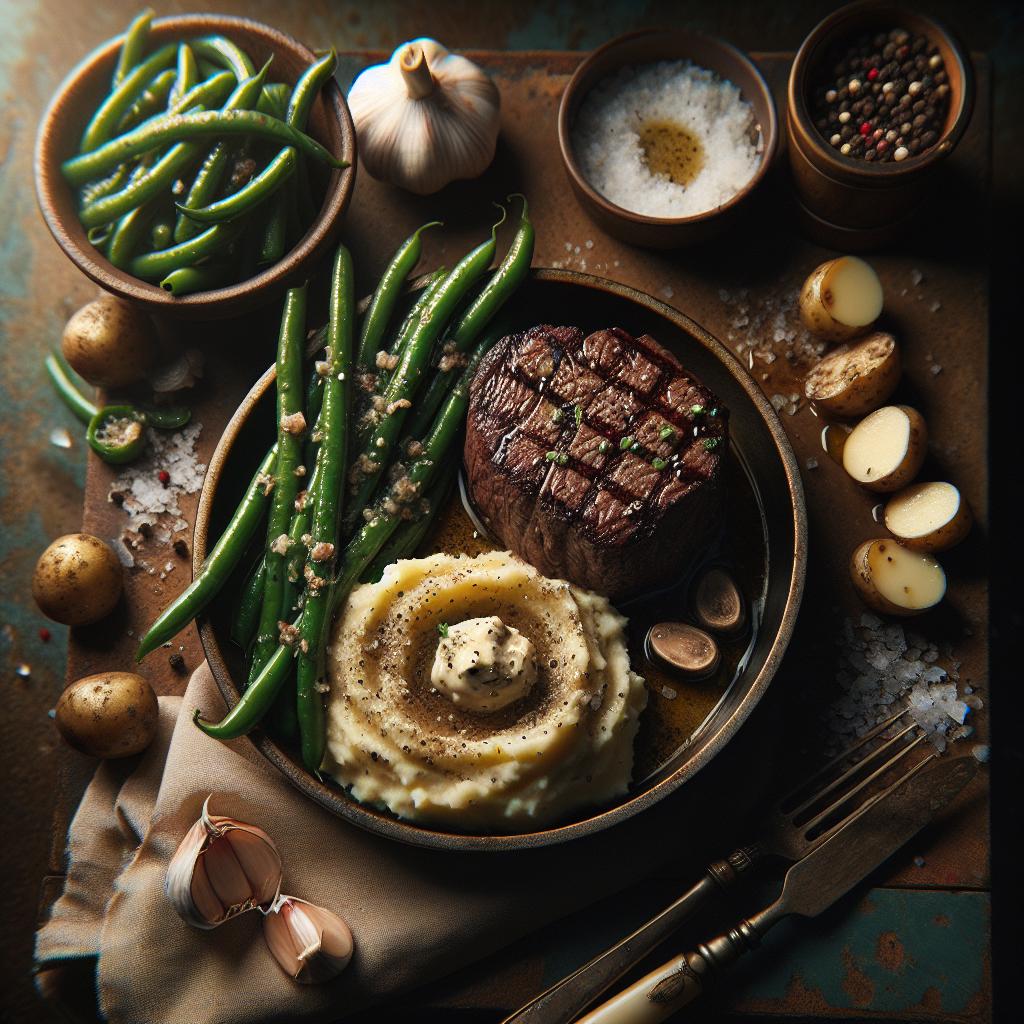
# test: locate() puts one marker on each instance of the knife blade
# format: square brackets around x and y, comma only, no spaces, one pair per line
[811,885]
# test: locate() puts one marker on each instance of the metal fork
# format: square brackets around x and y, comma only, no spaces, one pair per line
[805,817]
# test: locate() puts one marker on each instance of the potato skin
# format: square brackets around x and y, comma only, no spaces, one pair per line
[111,714]
[814,310]
[77,580]
[944,537]
[839,384]
[860,574]
[109,342]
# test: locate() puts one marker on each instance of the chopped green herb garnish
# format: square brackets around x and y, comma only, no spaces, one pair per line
[665,433]
[696,409]
[578,413]
[711,442]
[557,416]
[562,458]
[625,443]
[551,456]
[659,463]
[442,628]
[603,447]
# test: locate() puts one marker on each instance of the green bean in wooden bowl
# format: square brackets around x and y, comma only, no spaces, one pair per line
[198,165]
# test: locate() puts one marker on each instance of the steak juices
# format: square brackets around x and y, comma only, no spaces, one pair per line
[596,458]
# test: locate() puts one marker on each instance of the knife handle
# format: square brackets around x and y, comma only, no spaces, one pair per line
[671,986]
[564,1000]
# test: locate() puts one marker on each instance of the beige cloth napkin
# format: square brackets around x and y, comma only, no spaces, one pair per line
[415,914]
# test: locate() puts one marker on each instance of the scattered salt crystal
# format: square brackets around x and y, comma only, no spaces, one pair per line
[935,307]
[668,693]
[919,862]
[916,277]
[778,402]
[589,243]
[981,752]
[568,246]
[60,438]
[668,291]
[812,463]
[935,369]
[23,670]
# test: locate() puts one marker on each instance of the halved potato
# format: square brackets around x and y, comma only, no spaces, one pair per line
[841,299]
[928,517]
[884,452]
[894,580]
[856,379]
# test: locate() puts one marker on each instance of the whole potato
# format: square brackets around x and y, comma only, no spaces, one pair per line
[77,580]
[109,342]
[110,714]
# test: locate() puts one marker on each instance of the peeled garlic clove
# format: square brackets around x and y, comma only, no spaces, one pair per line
[310,943]
[222,868]
[426,118]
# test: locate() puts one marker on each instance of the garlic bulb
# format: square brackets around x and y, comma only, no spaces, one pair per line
[311,944]
[426,118]
[222,868]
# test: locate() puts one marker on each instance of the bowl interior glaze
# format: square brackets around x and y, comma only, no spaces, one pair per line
[557,296]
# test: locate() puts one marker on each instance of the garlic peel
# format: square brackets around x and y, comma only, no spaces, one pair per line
[426,118]
[310,943]
[222,868]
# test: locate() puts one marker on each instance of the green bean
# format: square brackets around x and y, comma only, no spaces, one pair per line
[204,186]
[413,359]
[186,280]
[289,456]
[272,241]
[99,236]
[256,191]
[156,181]
[222,51]
[357,556]
[505,280]
[245,620]
[186,127]
[273,100]
[156,266]
[408,537]
[219,564]
[386,296]
[160,234]
[128,232]
[187,74]
[153,101]
[113,108]
[208,94]
[111,183]
[133,47]
[167,417]
[60,376]
[327,507]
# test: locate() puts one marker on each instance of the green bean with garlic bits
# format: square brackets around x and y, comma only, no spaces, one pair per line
[331,464]
[291,426]
[219,564]
[187,127]
[387,294]
[413,360]
[259,189]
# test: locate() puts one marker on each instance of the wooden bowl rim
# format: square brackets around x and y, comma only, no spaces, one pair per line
[846,169]
[334,799]
[232,298]
[686,38]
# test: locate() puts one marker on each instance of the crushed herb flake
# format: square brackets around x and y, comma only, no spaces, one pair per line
[442,628]
[711,442]
[659,463]
[666,432]
[557,416]
[578,413]
[603,447]
[625,443]
[697,409]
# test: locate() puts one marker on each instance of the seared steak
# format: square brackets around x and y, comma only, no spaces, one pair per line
[597,459]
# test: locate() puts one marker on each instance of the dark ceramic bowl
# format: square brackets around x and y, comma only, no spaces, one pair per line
[648,47]
[558,296]
[83,89]
[847,200]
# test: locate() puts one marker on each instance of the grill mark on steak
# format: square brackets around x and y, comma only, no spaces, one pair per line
[594,478]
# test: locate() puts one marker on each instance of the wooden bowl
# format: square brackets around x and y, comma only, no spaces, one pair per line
[84,88]
[556,296]
[647,47]
[844,197]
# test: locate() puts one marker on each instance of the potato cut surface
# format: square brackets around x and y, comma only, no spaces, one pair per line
[922,509]
[853,292]
[907,578]
[877,445]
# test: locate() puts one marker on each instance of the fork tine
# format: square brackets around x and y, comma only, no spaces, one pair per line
[872,800]
[852,771]
[806,784]
[809,826]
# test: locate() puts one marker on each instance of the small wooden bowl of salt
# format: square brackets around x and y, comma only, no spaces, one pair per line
[665,134]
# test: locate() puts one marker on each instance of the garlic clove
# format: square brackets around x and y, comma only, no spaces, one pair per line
[310,943]
[222,868]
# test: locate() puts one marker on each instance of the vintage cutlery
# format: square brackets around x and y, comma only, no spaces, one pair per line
[802,820]
[812,885]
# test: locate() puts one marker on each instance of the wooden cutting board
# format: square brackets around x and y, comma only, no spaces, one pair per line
[741,289]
